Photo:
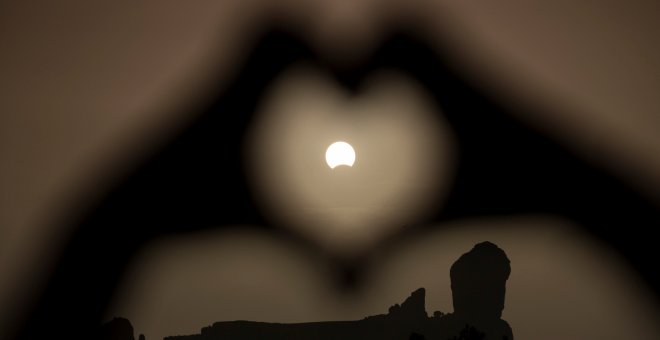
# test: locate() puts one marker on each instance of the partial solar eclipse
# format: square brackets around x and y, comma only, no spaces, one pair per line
[339,153]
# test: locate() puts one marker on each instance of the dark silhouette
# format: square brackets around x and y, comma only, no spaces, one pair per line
[416,336]
[117,329]
[478,286]
[478,283]
[469,333]
[399,323]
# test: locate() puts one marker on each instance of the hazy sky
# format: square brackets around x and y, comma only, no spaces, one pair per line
[87,88]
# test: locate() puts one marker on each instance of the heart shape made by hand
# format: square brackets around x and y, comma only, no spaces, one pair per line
[403,163]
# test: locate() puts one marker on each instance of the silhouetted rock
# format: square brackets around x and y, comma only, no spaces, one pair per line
[414,306]
[399,324]
[469,333]
[416,336]
[478,283]
[116,329]
[437,314]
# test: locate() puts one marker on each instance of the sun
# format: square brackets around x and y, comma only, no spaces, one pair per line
[339,153]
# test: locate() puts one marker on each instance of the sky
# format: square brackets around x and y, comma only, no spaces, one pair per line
[89,88]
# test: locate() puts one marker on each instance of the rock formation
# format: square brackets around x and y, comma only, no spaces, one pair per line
[116,329]
[400,323]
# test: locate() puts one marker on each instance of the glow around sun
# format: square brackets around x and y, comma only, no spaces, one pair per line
[339,153]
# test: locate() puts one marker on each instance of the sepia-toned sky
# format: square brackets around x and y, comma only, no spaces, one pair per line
[87,88]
